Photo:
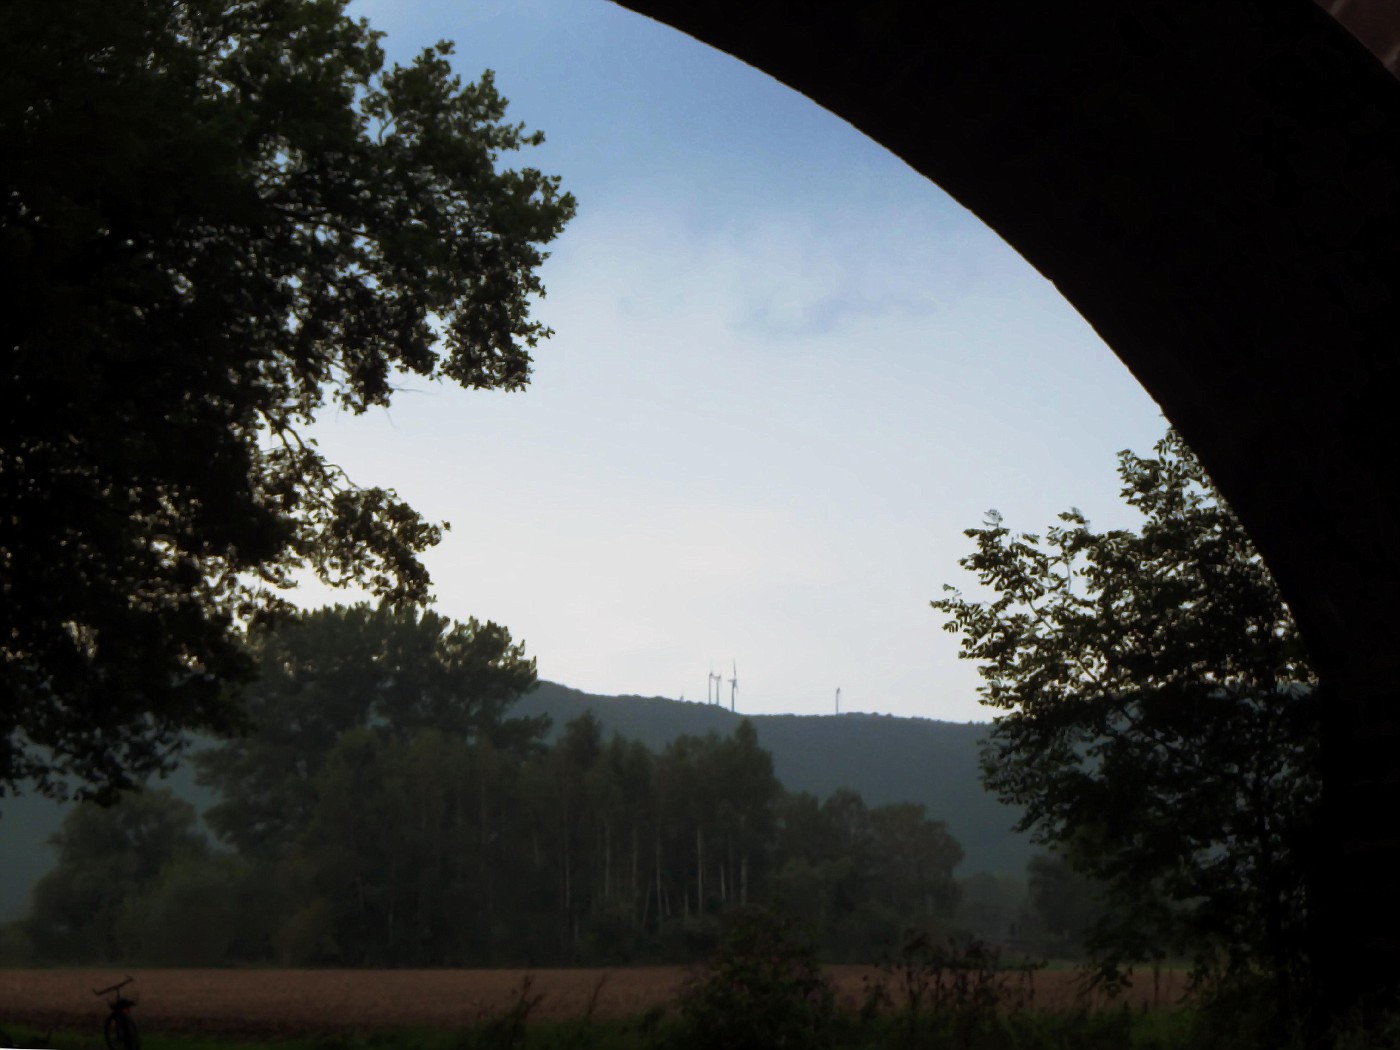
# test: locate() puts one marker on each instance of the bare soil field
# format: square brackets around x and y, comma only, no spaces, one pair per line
[287,1002]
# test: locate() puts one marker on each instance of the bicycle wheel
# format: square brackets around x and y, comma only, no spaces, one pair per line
[120,1033]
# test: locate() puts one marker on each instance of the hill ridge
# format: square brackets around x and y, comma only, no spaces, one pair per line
[886,758]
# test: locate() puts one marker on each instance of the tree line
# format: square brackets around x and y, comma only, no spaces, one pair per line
[384,809]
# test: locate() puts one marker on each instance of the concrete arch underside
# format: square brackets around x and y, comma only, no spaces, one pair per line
[1215,186]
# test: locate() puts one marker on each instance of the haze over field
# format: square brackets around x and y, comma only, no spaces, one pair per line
[788,372]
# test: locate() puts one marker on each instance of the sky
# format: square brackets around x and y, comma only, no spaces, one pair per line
[787,373]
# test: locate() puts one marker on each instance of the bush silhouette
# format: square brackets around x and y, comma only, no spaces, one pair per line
[763,989]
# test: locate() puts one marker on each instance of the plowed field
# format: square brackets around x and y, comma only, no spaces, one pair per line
[267,1002]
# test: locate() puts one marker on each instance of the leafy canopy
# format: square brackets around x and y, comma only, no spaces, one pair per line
[1156,716]
[107,858]
[330,672]
[216,216]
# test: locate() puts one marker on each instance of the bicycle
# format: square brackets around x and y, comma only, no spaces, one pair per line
[120,1029]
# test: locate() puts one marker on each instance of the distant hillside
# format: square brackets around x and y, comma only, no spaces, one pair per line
[886,759]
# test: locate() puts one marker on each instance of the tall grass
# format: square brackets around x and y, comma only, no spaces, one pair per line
[764,989]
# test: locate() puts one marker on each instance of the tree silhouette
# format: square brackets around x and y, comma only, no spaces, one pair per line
[216,218]
[1156,717]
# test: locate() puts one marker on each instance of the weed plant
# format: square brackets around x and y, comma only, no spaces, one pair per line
[1121,1029]
[762,990]
[506,1030]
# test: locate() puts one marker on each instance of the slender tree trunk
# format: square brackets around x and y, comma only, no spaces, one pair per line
[607,861]
[733,871]
[459,836]
[568,893]
[566,857]
[660,900]
[488,887]
[393,897]
[699,870]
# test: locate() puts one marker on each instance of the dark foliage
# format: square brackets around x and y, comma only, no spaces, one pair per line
[215,217]
[1156,719]
[763,989]
[386,810]
[326,672]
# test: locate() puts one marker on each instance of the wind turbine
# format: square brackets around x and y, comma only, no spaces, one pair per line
[838,699]
[717,680]
[733,685]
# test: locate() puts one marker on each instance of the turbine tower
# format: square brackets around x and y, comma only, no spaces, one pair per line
[733,685]
[838,699]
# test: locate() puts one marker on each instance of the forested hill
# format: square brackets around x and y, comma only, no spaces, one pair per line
[886,759]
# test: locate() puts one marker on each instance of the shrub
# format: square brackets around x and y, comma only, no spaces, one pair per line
[762,990]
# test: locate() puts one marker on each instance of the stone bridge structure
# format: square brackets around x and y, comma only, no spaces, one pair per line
[1215,186]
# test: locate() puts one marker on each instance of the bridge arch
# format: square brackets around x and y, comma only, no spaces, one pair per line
[1215,187]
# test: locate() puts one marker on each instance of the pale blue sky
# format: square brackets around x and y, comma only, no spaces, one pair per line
[788,372]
